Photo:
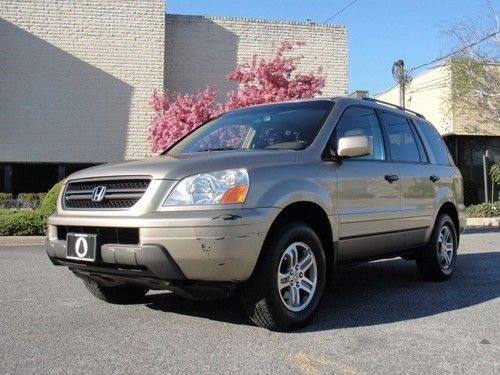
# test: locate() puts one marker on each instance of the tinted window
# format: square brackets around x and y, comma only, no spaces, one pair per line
[362,121]
[276,126]
[421,149]
[401,139]
[435,141]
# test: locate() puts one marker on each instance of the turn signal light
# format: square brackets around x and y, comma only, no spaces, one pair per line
[236,194]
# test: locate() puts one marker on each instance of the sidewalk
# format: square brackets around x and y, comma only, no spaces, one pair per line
[21,240]
[483,222]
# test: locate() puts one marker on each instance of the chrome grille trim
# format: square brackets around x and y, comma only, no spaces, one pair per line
[121,193]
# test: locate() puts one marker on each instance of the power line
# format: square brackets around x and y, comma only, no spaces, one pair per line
[432,83]
[428,87]
[454,52]
[384,91]
[340,11]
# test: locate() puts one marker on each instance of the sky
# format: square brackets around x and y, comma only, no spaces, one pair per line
[379,31]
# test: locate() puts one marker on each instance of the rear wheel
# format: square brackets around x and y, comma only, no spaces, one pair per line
[437,260]
[287,285]
[115,294]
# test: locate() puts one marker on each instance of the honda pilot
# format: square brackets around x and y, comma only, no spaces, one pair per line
[267,201]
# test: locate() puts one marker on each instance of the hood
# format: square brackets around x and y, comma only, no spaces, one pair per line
[176,167]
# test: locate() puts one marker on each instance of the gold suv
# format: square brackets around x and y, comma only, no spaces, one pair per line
[267,199]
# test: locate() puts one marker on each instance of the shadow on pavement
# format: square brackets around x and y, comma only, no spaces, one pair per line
[226,310]
[370,294]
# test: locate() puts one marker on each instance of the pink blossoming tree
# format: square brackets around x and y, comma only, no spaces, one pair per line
[261,81]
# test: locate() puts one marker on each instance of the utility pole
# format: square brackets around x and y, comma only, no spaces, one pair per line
[398,72]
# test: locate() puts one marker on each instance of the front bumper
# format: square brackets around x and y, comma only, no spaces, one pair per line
[152,261]
[206,245]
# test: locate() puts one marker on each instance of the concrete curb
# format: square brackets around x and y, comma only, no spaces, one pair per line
[483,222]
[21,240]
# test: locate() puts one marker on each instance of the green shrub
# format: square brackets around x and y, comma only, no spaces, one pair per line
[5,199]
[49,202]
[483,210]
[27,222]
[4,196]
[495,173]
[30,200]
[21,223]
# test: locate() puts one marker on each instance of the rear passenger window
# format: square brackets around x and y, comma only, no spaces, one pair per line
[421,149]
[402,142]
[362,121]
[435,141]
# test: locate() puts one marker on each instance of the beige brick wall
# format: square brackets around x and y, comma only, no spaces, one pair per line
[201,50]
[75,78]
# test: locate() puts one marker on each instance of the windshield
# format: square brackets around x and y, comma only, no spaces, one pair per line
[290,126]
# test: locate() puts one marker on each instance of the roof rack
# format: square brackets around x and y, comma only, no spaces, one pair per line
[395,106]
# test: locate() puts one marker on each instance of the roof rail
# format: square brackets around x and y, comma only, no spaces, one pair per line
[395,106]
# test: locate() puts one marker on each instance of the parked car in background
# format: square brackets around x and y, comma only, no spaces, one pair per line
[268,199]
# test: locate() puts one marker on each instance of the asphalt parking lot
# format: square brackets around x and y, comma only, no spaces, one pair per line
[375,318]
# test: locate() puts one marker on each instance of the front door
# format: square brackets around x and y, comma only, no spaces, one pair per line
[368,201]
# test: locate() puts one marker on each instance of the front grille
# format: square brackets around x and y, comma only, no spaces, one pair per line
[107,235]
[116,193]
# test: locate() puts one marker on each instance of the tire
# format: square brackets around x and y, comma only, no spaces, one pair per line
[115,294]
[437,260]
[287,302]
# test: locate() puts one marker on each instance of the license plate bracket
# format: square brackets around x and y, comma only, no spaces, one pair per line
[81,246]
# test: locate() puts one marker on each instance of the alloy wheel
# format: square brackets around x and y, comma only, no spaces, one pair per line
[297,276]
[445,248]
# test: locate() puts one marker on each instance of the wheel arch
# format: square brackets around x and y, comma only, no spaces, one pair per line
[315,216]
[450,209]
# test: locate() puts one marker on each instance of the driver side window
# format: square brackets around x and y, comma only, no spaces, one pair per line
[362,121]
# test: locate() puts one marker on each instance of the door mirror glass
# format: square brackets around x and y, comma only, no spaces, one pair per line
[359,145]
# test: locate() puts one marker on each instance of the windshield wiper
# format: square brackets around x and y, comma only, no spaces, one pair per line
[217,149]
[295,145]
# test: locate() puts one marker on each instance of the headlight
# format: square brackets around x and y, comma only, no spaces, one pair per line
[221,187]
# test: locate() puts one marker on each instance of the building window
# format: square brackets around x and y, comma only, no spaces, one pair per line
[35,178]
[468,154]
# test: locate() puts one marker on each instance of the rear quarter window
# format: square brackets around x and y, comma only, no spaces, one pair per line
[436,143]
[402,142]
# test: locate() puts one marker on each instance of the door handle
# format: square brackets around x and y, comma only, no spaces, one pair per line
[391,177]
[435,178]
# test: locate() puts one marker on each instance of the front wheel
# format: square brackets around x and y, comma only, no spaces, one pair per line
[438,259]
[287,285]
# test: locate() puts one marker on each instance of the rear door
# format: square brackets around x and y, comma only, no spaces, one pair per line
[417,190]
[443,172]
[368,190]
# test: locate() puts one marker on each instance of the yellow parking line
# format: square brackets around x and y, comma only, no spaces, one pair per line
[309,364]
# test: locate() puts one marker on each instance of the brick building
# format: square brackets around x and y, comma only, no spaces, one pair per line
[76,76]
[209,47]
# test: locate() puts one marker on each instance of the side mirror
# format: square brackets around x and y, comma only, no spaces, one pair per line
[359,145]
